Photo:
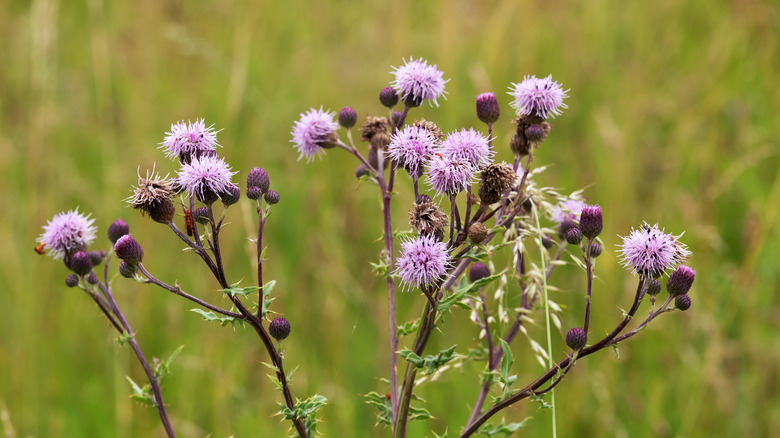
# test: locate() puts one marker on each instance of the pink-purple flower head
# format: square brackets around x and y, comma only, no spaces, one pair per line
[67,233]
[423,261]
[538,97]
[448,176]
[190,140]
[417,81]
[313,131]
[411,148]
[649,252]
[469,145]
[206,178]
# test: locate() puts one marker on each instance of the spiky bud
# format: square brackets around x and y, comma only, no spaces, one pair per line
[388,97]
[574,236]
[153,197]
[519,145]
[376,130]
[231,195]
[97,257]
[576,338]
[254,193]
[127,270]
[72,280]
[487,108]
[127,249]
[537,133]
[117,229]
[427,218]
[477,232]
[92,278]
[271,197]
[595,249]
[654,288]
[80,263]
[682,302]
[201,215]
[591,222]
[279,328]
[258,177]
[680,281]
[347,117]
[496,180]
[478,271]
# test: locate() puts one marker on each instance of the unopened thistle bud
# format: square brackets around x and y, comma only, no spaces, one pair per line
[271,197]
[362,171]
[153,197]
[347,117]
[576,338]
[574,236]
[680,281]
[127,270]
[654,288]
[231,195]
[594,249]
[388,97]
[682,302]
[254,193]
[201,215]
[397,118]
[427,218]
[547,242]
[92,278]
[477,232]
[80,263]
[72,280]
[537,133]
[590,221]
[519,145]
[279,328]
[258,177]
[478,271]
[127,249]
[487,108]
[117,229]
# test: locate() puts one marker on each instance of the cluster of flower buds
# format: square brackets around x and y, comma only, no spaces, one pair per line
[258,184]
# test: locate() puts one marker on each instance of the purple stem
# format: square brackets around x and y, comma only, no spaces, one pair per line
[589,268]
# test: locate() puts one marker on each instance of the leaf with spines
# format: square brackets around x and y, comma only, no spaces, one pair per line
[235,291]
[506,429]
[141,395]
[506,365]
[222,319]
[407,328]
[382,404]
[163,368]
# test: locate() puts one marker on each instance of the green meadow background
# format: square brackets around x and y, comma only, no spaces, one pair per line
[672,118]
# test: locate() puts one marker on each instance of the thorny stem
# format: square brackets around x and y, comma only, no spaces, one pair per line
[589,268]
[259,251]
[177,290]
[127,331]
[530,390]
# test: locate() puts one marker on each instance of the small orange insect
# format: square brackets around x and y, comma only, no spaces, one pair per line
[39,248]
[189,222]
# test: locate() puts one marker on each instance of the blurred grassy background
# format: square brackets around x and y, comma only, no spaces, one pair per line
[672,119]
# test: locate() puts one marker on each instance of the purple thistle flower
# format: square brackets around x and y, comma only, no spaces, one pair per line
[469,145]
[417,81]
[188,140]
[649,251]
[539,97]
[67,233]
[569,209]
[205,177]
[312,131]
[411,148]
[449,176]
[423,260]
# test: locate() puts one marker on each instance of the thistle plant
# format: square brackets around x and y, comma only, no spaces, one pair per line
[475,226]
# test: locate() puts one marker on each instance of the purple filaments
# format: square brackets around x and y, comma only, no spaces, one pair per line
[469,145]
[423,261]
[417,81]
[67,233]
[205,177]
[649,251]
[411,148]
[314,128]
[538,97]
[189,140]
[448,176]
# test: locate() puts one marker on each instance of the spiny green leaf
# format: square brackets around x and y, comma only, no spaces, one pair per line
[506,429]
[234,290]
[141,395]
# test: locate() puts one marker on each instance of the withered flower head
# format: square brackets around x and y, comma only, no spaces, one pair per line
[153,197]
[376,130]
[433,128]
[496,179]
[427,218]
